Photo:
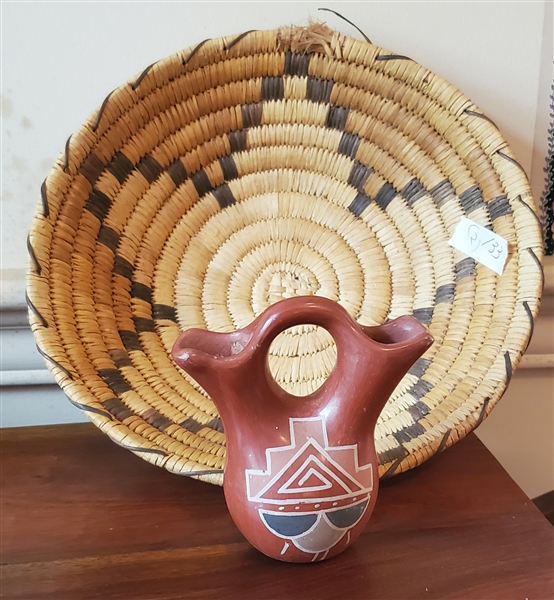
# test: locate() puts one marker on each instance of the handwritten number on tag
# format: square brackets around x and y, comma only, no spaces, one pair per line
[494,249]
[480,243]
[473,235]
[491,245]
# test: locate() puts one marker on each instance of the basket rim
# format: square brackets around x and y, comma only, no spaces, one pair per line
[91,152]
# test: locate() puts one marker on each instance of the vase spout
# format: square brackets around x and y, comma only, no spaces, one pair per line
[402,336]
[401,343]
[202,353]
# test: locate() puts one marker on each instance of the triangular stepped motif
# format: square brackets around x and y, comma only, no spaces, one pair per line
[332,480]
[309,469]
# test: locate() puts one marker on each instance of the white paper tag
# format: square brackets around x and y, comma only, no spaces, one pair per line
[480,243]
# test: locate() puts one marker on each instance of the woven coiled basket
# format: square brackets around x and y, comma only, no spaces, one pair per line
[267,165]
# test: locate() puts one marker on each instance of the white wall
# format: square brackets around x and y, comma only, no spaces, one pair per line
[60,59]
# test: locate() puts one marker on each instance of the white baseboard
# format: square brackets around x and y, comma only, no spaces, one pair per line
[25,405]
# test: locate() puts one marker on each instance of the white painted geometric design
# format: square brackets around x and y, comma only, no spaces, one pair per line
[309,470]
[311,493]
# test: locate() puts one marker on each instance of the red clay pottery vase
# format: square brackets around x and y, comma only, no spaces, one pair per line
[301,473]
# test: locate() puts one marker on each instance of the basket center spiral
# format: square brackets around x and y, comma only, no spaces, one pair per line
[276,245]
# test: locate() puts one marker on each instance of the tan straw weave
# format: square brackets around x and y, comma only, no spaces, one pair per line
[267,165]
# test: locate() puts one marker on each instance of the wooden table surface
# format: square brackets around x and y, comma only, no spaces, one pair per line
[83,518]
